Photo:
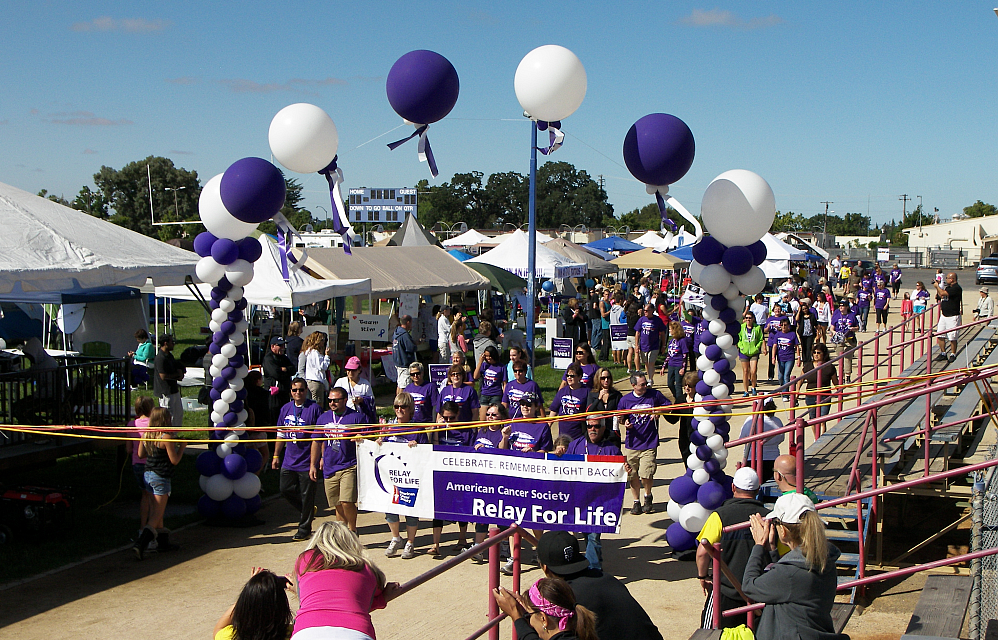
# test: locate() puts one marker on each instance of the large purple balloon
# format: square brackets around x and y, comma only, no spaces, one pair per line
[224,251]
[659,149]
[683,490]
[422,86]
[252,190]
[233,466]
[207,507]
[254,460]
[678,538]
[208,464]
[203,242]
[710,495]
[759,251]
[737,260]
[250,249]
[233,507]
[708,251]
[253,504]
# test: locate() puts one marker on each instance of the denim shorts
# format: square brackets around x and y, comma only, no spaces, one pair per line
[139,471]
[490,401]
[158,485]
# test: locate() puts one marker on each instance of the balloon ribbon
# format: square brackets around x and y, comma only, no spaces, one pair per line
[285,241]
[341,223]
[557,136]
[422,149]
[663,198]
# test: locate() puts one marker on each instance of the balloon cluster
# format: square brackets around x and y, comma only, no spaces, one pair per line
[232,204]
[738,209]
[550,84]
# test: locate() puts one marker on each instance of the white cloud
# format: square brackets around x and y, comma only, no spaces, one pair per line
[724,18]
[126,25]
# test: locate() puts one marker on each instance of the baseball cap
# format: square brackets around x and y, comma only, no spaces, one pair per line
[277,340]
[352,363]
[746,479]
[559,551]
[790,507]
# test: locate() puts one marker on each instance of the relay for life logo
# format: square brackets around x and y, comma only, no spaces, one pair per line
[394,478]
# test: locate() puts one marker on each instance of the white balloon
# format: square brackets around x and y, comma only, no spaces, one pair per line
[711,377]
[203,483]
[228,396]
[721,455]
[216,417]
[673,510]
[726,408]
[214,216]
[714,279]
[724,340]
[702,348]
[218,315]
[242,371]
[239,273]
[247,486]
[722,462]
[715,442]
[214,371]
[236,384]
[706,428]
[693,462]
[710,313]
[731,294]
[220,407]
[219,361]
[237,339]
[218,487]
[303,138]
[700,476]
[695,270]
[704,363]
[717,328]
[751,282]
[720,391]
[214,326]
[550,83]
[242,326]
[242,415]
[239,432]
[700,411]
[207,270]
[235,293]
[227,306]
[223,450]
[694,515]
[232,439]
[697,398]
[693,448]
[738,207]
[228,350]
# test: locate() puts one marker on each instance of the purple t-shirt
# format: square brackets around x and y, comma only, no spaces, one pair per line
[642,434]
[582,446]
[845,323]
[895,275]
[647,330]
[465,396]
[487,438]
[588,375]
[425,398]
[391,433]
[492,376]
[924,293]
[772,328]
[880,298]
[531,436]
[786,346]
[569,402]
[863,298]
[291,419]
[515,391]
[678,348]
[340,454]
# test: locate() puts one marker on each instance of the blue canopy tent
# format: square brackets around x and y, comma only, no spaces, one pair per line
[460,255]
[683,253]
[614,243]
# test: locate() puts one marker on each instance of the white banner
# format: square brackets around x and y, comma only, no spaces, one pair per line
[369,327]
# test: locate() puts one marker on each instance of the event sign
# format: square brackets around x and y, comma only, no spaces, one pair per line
[438,373]
[883,254]
[618,337]
[369,327]
[561,352]
[409,305]
[693,296]
[534,490]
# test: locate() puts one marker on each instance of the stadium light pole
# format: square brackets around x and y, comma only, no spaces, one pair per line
[531,239]
[176,207]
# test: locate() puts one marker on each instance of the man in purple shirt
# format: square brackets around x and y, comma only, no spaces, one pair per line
[649,331]
[641,438]
[843,326]
[294,440]
[336,456]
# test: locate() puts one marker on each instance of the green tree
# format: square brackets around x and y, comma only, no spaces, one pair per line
[649,217]
[566,195]
[44,193]
[506,198]
[979,210]
[788,221]
[126,194]
[297,216]
[91,202]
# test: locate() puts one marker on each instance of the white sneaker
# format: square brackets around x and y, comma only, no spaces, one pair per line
[507,569]
[408,552]
[393,547]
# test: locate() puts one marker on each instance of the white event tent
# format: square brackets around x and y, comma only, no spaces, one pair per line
[649,239]
[268,287]
[469,238]
[778,257]
[511,255]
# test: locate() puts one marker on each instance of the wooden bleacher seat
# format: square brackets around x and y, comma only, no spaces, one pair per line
[940,609]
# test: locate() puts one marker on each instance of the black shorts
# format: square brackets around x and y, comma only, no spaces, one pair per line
[881,316]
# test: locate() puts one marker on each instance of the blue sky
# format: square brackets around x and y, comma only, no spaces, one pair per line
[853,102]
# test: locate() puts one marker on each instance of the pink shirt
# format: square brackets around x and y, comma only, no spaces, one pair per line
[140,425]
[337,598]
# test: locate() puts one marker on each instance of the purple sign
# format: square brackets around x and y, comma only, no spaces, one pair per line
[561,352]
[438,373]
[618,337]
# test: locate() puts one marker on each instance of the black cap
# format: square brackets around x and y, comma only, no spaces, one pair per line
[559,551]
[277,340]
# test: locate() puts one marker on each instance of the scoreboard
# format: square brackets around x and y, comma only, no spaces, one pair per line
[381,205]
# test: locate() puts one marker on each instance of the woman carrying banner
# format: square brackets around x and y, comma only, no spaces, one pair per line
[570,400]
[400,429]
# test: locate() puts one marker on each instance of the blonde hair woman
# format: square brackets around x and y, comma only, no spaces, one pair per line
[162,456]
[338,587]
[313,364]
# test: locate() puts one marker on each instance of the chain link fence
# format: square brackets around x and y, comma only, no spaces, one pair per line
[984,597]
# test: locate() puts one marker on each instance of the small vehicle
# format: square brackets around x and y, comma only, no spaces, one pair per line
[987,269]
[865,265]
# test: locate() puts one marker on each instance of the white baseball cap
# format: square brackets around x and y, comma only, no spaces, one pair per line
[746,479]
[790,507]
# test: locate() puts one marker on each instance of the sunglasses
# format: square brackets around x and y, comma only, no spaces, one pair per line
[570,375]
[401,406]
[605,378]
[448,418]
[415,373]
[519,370]
[580,353]
[491,415]
[331,399]
[298,390]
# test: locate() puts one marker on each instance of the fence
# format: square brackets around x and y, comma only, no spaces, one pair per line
[984,597]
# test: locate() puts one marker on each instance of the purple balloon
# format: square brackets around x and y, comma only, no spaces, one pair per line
[206,466]
[233,466]
[223,284]
[737,260]
[695,438]
[207,507]
[710,495]
[228,373]
[683,490]
[254,460]
[236,406]
[230,418]
[758,250]
[722,429]
[680,539]
[213,304]
[215,395]
[228,327]
[711,466]
[708,251]
[704,452]
[253,504]
[219,337]
[728,378]
[241,304]
[233,507]
[252,190]
[728,316]
[713,352]
[659,149]
[224,251]
[235,316]
[217,294]
[717,417]
[221,384]
[214,348]
[250,249]
[236,361]
[241,394]
[203,243]
[719,303]
[239,449]
[703,388]
[708,338]
[722,365]
[422,86]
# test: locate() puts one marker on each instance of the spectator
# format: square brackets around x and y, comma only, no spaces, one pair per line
[759,309]
[677,351]
[424,394]
[493,376]
[335,456]
[293,342]
[403,351]
[618,316]
[569,401]
[547,610]
[360,396]
[823,312]
[530,436]
[574,319]
[641,439]
[430,328]
[258,399]
[632,313]
[771,328]
[466,399]
[165,384]
[950,309]
[518,387]
[518,354]
[649,332]
[482,341]
[785,476]
[895,278]
[818,375]
[604,305]
[985,306]
[596,442]
[881,305]
[162,456]
[261,611]
[400,430]
[770,446]
[449,411]
[807,329]
[690,380]
[750,345]
[277,373]
[313,363]
[587,362]
[143,408]
[143,357]
[736,546]
[337,586]
[605,398]
[787,348]
[443,333]
[799,589]
[297,486]
[919,297]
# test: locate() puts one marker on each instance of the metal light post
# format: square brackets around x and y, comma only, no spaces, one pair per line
[531,240]
[176,207]
[325,221]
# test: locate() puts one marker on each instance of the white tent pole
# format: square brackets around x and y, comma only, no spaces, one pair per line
[249,351]
[155,312]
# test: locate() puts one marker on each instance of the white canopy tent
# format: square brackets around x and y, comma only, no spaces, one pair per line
[268,287]
[469,238]
[778,257]
[649,239]
[810,246]
[511,255]
[46,246]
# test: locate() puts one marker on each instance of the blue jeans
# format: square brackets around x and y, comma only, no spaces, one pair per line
[785,370]
[864,314]
[594,550]
[597,333]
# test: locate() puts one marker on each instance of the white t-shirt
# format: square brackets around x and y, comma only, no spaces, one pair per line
[770,446]
[361,389]
[443,328]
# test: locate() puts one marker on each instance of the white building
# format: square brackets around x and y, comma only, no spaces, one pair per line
[976,237]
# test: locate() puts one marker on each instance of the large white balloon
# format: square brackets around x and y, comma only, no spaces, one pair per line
[693,462]
[711,377]
[220,407]
[219,361]
[203,483]
[216,218]
[738,207]
[550,83]
[303,138]
[695,270]
[706,428]
[218,315]
[700,476]
[714,279]
[247,486]
[720,391]
[717,328]
[218,487]
[228,350]
[751,282]
[693,516]
[724,340]
[710,313]
[207,270]
[228,396]
[715,442]
[673,509]
[227,306]
[704,363]
[731,295]
[239,272]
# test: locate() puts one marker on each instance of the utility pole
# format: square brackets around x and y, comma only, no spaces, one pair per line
[824,227]
[904,198]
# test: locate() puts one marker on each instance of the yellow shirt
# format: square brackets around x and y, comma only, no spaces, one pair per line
[228,632]
[712,532]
